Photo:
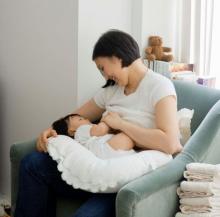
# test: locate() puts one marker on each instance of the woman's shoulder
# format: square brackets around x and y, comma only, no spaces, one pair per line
[157,86]
[154,77]
[154,80]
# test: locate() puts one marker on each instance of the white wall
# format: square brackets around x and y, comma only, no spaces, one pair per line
[96,17]
[46,66]
[43,44]
[160,18]
[37,83]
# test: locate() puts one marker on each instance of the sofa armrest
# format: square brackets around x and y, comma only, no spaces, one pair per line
[154,194]
[155,189]
[17,152]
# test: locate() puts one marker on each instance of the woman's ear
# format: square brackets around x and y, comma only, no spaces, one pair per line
[120,62]
[116,59]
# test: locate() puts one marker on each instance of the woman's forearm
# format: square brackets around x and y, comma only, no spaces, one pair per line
[90,110]
[154,139]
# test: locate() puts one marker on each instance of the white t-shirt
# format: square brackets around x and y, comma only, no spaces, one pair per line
[139,106]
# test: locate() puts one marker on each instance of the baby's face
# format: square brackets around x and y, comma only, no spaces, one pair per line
[74,122]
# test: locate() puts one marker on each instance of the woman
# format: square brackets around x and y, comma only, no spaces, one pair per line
[135,101]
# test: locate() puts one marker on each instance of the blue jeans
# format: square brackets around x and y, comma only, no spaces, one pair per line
[39,184]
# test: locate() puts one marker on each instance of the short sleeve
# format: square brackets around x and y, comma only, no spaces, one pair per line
[104,95]
[82,134]
[100,98]
[162,88]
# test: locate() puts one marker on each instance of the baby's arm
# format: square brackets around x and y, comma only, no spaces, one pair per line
[118,141]
[121,141]
[99,129]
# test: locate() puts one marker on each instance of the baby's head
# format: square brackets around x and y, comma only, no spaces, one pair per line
[69,124]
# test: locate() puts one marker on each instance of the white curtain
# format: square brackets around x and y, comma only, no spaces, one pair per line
[202,23]
[215,45]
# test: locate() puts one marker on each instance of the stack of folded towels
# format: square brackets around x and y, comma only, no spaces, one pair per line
[200,194]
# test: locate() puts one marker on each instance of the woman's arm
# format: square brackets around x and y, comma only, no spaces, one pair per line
[90,110]
[166,135]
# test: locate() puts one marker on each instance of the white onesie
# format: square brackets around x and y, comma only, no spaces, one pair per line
[98,144]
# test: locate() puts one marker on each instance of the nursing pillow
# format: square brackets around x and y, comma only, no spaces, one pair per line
[80,168]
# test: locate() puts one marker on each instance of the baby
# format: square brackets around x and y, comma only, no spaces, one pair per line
[97,138]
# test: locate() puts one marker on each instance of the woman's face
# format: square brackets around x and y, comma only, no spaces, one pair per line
[111,68]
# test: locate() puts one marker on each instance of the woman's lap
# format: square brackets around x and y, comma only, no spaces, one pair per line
[39,179]
[98,205]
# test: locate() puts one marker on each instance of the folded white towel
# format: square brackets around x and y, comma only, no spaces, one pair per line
[206,187]
[213,202]
[198,209]
[197,189]
[198,177]
[204,168]
[179,214]
[190,194]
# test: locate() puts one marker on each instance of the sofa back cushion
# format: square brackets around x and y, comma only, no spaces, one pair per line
[196,97]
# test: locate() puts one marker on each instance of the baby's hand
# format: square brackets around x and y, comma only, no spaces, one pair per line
[113,120]
[100,129]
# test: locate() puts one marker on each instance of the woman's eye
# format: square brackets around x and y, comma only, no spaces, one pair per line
[102,71]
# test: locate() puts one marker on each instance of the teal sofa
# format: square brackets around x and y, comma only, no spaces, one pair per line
[154,194]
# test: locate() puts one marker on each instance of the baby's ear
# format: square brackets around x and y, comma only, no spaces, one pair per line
[71,132]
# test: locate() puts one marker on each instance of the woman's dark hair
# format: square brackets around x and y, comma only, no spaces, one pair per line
[109,82]
[61,125]
[119,44]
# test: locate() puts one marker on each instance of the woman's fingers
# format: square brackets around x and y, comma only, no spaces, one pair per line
[39,142]
[42,139]
[54,133]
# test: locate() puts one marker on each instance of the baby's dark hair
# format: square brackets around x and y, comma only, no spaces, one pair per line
[61,125]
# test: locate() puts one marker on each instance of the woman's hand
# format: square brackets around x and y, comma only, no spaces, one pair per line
[42,139]
[113,120]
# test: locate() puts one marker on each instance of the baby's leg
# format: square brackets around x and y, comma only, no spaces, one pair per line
[121,141]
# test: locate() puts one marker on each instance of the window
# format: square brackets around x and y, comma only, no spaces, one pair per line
[204,19]
[215,44]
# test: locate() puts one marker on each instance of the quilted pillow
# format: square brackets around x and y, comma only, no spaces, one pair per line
[184,117]
[82,169]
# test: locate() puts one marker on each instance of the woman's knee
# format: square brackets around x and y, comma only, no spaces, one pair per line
[34,161]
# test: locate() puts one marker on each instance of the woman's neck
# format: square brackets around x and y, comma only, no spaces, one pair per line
[136,72]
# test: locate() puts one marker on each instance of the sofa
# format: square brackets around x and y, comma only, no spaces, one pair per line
[154,194]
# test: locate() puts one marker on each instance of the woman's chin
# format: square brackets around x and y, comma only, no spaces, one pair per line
[119,83]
